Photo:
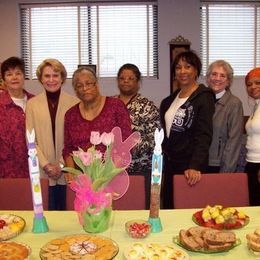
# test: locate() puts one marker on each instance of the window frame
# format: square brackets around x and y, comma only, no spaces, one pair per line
[151,69]
[205,52]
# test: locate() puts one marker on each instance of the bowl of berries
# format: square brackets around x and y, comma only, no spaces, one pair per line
[138,228]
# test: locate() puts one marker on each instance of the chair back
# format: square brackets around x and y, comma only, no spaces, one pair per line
[134,198]
[16,194]
[70,196]
[226,189]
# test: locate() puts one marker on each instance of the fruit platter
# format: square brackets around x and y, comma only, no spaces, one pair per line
[219,217]
[206,240]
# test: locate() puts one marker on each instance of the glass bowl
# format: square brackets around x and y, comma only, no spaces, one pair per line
[138,228]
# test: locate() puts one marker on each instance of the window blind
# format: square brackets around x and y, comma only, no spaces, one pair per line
[107,35]
[231,32]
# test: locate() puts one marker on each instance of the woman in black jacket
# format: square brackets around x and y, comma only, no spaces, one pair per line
[186,117]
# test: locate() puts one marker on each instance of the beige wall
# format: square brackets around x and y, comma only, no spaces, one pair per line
[176,17]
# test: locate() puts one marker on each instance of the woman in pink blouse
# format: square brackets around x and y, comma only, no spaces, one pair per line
[13,148]
[94,113]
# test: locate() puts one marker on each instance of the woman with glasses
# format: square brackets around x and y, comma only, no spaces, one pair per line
[144,118]
[186,117]
[45,114]
[94,113]
[227,120]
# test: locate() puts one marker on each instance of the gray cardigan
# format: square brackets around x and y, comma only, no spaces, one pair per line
[227,133]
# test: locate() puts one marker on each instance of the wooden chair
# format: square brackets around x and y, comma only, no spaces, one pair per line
[16,194]
[133,199]
[70,196]
[227,189]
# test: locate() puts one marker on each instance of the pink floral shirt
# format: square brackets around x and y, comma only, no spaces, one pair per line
[77,129]
[13,148]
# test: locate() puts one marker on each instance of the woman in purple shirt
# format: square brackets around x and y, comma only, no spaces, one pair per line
[94,113]
[13,148]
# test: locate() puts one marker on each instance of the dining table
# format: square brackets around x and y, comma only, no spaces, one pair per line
[62,223]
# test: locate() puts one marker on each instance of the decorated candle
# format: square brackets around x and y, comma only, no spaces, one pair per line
[156,178]
[40,224]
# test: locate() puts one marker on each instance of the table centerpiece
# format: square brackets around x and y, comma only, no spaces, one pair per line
[100,177]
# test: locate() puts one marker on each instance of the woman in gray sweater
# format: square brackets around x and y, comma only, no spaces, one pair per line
[227,119]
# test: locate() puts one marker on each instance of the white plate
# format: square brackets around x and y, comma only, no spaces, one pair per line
[154,251]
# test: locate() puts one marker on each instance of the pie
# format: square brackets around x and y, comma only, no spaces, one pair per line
[10,226]
[10,250]
[219,217]
[82,246]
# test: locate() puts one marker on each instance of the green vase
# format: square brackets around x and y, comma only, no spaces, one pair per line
[96,223]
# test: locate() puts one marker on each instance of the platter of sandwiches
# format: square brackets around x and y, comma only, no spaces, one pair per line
[253,241]
[206,240]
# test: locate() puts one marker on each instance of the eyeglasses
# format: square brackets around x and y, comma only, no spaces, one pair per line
[81,86]
[127,78]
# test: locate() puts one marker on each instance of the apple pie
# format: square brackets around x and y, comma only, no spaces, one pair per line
[10,250]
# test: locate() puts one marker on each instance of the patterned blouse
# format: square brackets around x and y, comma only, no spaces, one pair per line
[77,129]
[13,152]
[145,119]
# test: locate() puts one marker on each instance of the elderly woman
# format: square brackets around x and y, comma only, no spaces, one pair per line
[45,114]
[144,117]
[186,117]
[252,168]
[227,120]
[13,100]
[94,113]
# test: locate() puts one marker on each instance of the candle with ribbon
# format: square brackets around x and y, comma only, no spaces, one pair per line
[157,164]
[39,222]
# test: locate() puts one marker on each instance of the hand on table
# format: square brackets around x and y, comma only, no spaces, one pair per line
[192,176]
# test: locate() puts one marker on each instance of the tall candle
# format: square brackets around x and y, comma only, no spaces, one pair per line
[34,175]
[157,164]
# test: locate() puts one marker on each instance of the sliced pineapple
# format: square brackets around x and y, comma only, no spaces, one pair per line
[219,219]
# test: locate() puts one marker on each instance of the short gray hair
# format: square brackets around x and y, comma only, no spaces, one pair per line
[226,66]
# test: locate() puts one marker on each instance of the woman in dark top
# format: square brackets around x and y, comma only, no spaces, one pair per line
[186,117]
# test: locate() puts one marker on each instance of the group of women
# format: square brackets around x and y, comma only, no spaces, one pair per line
[203,125]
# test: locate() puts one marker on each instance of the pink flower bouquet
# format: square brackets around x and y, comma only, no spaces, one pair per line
[94,181]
